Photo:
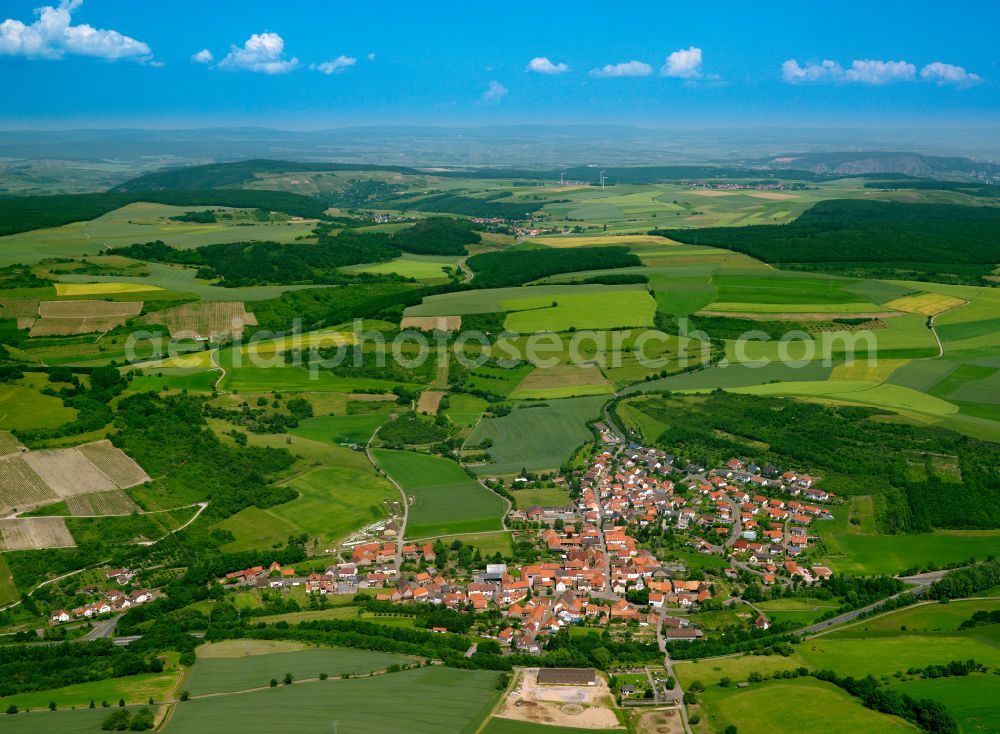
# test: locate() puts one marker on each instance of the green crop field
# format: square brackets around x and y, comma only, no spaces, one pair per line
[465,410]
[579,311]
[875,554]
[428,268]
[545,497]
[139,222]
[340,428]
[877,654]
[135,689]
[226,674]
[536,435]
[333,501]
[513,726]
[491,300]
[23,407]
[429,700]
[925,617]
[970,699]
[445,500]
[80,721]
[799,705]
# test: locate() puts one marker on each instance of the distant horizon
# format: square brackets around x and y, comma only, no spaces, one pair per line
[100,64]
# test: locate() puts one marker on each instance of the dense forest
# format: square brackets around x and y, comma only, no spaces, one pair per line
[853,454]
[242,264]
[952,243]
[512,268]
[156,431]
[24,213]
[314,308]
[437,236]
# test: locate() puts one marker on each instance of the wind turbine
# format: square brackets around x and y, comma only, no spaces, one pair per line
[603,179]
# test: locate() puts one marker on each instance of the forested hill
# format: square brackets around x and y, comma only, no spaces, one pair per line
[24,213]
[220,175]
[871,238]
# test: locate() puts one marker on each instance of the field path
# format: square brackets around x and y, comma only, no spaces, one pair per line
[937,338]
[213,358]
[465,270]
[398,562]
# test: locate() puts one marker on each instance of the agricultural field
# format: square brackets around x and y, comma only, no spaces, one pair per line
[498,725]
[355,429]
[531,314]
[114,502]
[544,497]
[429,700]
[335,498]
[804,704]
[141,222]
[135,689]
[208,320]
[66,318]
[33,533]
[465,410]
[425,268]
[492,300]
[969,699]
[102,289]
[214,673]
[444,500]
[536,435]
[561,381]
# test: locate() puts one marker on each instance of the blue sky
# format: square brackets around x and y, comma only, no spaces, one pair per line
[327,63]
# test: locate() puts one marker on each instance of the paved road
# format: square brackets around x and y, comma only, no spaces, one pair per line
[398,561]
[922,581]
[677,692]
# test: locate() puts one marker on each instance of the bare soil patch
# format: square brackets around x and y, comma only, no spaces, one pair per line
[429,401]
[35,533]
[431,323]
[583,707]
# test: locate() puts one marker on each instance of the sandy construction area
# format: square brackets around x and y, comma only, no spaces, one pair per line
[35,533]
[582,707]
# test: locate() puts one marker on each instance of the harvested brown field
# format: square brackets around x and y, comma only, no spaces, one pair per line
[773,195]
[9,444]
[25,310]
[431,323]
[97,467]
[20,486]
[115,502]
[429,401]
[68,318]
[118,466]
[205,320]
[88,309]
[35,533]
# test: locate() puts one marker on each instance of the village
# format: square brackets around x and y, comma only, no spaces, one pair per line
[592,563]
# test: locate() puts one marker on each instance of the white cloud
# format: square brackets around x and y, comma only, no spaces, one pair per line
[628,68]
[371,56]
[203,57]
[542,65]
[945,74]
[861,71]
[495,91]
[872,71]
[683,64]
[263,53]
[337,66]
[827,70]
[53,36]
